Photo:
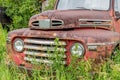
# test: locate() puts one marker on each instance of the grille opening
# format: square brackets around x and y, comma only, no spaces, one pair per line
[35,23]
[57,23]
[33,52]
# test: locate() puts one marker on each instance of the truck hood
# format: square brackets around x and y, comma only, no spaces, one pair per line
[84,35]
[71,18]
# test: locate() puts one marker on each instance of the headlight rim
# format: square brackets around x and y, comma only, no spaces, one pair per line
[82,46]
[16,39]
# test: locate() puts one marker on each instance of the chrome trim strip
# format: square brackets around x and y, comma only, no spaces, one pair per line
[83,25]
[100,44]
[94,20]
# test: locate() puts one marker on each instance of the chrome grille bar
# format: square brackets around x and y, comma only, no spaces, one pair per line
[38,60]
[44,42]
[43,48]
[95,20]
[42,61]
[95,25]
[43,54]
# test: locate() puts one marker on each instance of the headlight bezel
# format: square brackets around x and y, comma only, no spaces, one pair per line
[80,46]
[16,47]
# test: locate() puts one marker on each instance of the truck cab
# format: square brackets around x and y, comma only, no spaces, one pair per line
[85,28]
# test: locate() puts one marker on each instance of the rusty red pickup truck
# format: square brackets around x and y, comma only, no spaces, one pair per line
[92,25]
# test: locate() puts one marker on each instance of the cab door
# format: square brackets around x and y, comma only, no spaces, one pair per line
[117,15]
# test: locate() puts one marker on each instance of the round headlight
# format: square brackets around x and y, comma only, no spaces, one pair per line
[18,45]
[77,49]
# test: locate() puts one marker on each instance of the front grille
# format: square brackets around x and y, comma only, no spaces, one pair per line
[44,51]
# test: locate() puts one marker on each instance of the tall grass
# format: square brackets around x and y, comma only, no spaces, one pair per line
[3,69]
[83,70]
[5,72]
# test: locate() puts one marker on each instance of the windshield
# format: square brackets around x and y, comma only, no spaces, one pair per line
[117,5]
[83,4]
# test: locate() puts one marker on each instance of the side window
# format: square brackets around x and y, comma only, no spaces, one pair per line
[117,7]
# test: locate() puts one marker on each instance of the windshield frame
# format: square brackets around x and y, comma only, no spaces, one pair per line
[110,7]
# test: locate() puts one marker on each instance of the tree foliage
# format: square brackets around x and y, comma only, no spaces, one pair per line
[51,5]
[20,11]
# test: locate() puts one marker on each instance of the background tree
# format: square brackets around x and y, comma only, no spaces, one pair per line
[20,11]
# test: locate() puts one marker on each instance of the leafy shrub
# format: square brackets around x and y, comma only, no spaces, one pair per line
[20,11]
[51,5]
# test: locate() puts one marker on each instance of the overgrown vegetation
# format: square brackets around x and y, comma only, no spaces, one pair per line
[83,70]
[20,11]
[51,5]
